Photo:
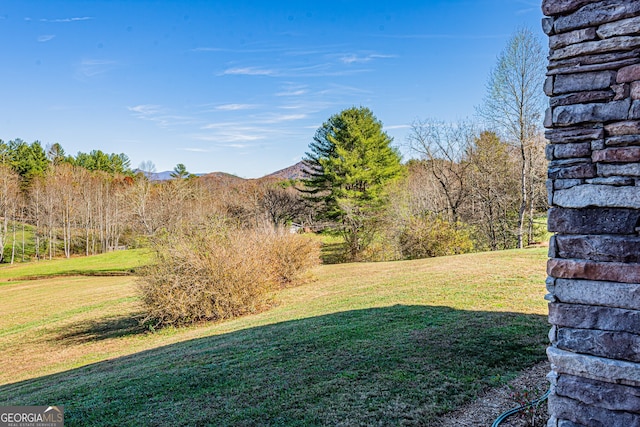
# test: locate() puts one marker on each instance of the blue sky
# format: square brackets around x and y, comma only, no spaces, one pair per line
[240,86]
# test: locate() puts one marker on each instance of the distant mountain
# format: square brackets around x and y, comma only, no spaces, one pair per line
[156,176]
[161,176]
[292,172]
[223,177]
[220,175]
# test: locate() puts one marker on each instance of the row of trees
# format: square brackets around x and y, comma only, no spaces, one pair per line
[475,177]
[52,204]
[472,184]
[64,200]
[487,178]
[465,182]
[463,192]
[76,211]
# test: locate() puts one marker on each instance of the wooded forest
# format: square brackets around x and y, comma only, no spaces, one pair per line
[468,185]
[461,195]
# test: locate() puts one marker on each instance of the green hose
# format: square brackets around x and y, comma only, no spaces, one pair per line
[510,412]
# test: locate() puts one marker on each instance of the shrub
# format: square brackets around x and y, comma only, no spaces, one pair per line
[291,256]
[220,272]
[430,236]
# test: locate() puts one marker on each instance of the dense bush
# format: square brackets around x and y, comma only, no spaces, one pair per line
[290,256]
[220,272]
[430,236]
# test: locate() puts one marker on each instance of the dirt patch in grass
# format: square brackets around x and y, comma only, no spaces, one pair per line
[494,402]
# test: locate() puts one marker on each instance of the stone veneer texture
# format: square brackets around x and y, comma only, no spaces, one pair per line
[593,130]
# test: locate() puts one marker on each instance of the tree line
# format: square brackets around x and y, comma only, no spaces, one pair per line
[475,184]
[461,193]
[472,185]
[54,205]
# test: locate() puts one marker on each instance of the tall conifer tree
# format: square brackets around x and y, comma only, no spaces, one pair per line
[350,164]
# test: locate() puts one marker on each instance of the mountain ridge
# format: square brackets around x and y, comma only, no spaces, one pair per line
[293,172]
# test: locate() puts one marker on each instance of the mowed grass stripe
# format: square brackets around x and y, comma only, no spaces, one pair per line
[43,300]
[111,262]
[61,316]
[386,344]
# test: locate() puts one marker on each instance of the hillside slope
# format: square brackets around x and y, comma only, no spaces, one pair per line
[293,172]
[387,343]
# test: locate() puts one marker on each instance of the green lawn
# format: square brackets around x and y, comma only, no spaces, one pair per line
[117,262]
[365,344]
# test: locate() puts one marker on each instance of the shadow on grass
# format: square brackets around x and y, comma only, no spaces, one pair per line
[98,330]
[399,365]
[332,253]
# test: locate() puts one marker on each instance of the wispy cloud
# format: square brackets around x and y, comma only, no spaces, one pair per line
[230,136]
[397,127]
[46,38]
[242,126]
[279,118]
[240,51]
[236,107]
[221,125]
[232,132]
[325,69]
[297,92]
[73,19]
[312,52]
[208,49]
[196,150]
[160,115]
[292,89]
[94,67]
[309,107]
[240,146]
[244,131]
[291,107]
[355,58]
[337,89]
[145,109]
[309,100]
[249,71]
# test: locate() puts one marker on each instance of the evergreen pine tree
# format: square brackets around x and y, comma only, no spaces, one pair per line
[349,166]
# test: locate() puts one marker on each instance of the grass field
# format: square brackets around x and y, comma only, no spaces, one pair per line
[395,343]
[114,263]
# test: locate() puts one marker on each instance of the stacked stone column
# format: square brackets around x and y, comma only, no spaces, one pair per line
[593,132]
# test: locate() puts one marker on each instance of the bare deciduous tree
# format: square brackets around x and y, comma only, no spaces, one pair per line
[513,104]
[444,147]
[9,192]
[495,191]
